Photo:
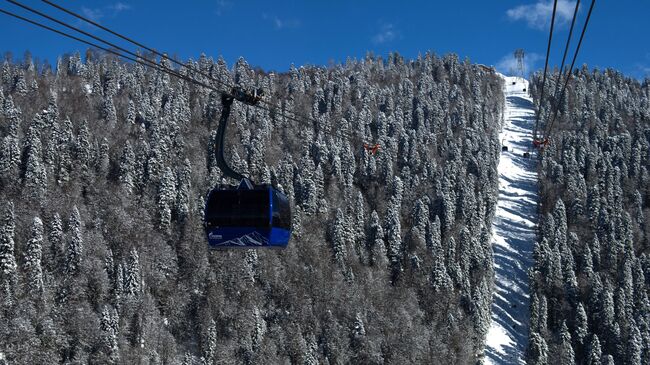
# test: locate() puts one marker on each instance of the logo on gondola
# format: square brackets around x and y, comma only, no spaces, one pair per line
[214,236]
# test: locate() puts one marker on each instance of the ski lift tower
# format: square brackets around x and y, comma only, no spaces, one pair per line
[519,56]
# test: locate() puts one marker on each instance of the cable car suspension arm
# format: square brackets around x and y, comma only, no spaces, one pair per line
[227,99]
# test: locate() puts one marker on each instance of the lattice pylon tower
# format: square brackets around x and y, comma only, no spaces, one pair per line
[519,56]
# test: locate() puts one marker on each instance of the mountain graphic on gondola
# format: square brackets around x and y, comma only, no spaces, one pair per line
[250,239]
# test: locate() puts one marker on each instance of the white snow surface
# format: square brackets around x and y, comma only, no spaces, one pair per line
[513,230]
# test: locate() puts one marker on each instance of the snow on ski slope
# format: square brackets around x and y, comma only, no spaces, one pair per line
[513,230]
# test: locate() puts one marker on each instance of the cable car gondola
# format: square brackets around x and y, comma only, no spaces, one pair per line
[540,143]
[372,149]
[247,215]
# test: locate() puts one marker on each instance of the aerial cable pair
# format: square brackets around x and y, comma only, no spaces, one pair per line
[134,57]
[544,140]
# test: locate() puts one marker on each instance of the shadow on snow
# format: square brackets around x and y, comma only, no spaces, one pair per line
[514,234]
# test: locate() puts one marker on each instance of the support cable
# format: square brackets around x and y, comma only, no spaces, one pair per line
[548,51]
[566,51]
[566,82]
[128,39]
[271,108]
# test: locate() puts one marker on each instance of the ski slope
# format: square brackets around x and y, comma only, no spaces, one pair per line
[513,230]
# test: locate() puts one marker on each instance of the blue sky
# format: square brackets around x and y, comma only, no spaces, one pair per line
[275,34]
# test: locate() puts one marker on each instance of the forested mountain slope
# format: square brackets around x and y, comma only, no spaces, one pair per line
[104,167]
[591,279]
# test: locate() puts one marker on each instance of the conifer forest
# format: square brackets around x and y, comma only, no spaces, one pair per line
[105,167]
[591,280]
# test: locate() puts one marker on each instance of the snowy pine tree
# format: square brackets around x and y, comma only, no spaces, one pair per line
[394,238]
[566,350]
[376,242]
[33,255]
[166,199]
[340,236]
[75,244]
[7,257]
[127,167]
[183,191]
[35,172]
[210,355]
[594,353]
[109,325]
[537,350]
[56,239]
[133,278]
[634,345]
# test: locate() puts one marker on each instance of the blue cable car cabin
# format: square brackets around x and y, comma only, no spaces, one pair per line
[247,217]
